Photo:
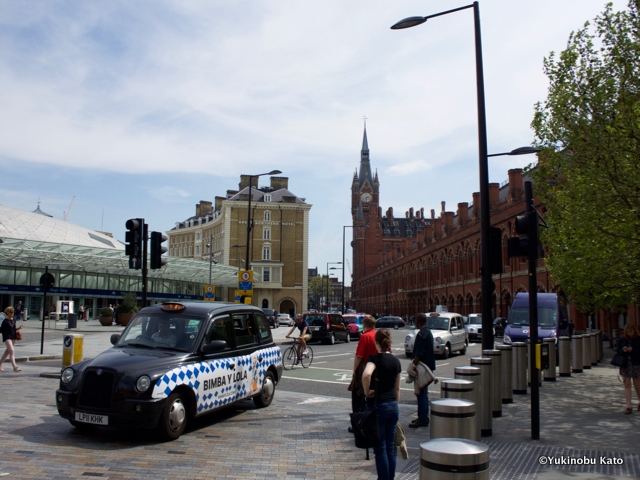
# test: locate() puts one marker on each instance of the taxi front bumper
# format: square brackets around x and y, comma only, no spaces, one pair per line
[126,413]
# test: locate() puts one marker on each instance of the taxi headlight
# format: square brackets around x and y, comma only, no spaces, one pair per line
[408,338]
[438,339]
[143,383]
[67,375]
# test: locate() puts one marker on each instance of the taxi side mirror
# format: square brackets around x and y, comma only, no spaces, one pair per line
[214,346]
[115,338]
[454,328]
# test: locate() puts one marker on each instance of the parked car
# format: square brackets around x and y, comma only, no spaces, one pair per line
[499,324]
[174,362]
[327,327]
[272,316]
[390,322]
[285,319]
[473,326]
[449,335]
[354,321]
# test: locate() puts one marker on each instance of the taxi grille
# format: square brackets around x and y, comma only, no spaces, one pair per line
[96,390]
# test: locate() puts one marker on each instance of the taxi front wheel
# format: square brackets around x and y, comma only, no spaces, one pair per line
[265,397]
[174,417]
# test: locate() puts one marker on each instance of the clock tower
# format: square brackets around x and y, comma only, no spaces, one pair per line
[365,214]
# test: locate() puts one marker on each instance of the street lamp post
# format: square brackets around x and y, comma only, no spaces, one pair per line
[237,247]
[211,261]
[483,163]
[333,268]
[344,229]
[251,177]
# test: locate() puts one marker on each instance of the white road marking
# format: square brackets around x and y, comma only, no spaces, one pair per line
[335,355]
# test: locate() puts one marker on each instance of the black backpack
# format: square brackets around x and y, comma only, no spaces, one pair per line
[366,429]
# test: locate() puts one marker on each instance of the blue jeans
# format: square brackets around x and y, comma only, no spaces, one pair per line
[423,403]
[388,415]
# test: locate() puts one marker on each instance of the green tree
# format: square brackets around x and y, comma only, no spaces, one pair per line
[588,175]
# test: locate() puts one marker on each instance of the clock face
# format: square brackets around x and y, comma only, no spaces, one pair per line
[366,197]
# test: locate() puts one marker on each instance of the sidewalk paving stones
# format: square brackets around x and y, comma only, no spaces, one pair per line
[299,436]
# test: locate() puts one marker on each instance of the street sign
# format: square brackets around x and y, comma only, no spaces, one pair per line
[237,296]
[209,293]
[245,276]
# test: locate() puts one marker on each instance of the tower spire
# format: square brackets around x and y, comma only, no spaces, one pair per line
[365,166]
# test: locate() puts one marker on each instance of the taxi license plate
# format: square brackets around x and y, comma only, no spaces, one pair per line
[92,418]
[315,329]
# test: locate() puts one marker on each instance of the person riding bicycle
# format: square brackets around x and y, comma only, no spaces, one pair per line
[304,337]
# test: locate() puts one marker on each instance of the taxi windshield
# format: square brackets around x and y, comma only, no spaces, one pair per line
[162,330]
[438,323]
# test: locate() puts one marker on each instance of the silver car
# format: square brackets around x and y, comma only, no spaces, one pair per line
[449,335]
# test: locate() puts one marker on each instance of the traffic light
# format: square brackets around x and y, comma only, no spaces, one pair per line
[527,226]
[134,238]
[157,249]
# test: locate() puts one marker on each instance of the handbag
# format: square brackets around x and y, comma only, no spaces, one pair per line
[619,360]
[18,335]
[366,429]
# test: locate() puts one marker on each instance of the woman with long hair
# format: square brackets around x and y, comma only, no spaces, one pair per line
[386,392]
[8,337]
[629,345]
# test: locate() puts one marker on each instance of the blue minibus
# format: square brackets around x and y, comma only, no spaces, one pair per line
[552,318]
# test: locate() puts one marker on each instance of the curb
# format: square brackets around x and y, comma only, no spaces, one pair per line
[35,358]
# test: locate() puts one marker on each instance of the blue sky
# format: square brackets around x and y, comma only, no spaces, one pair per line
[141,109]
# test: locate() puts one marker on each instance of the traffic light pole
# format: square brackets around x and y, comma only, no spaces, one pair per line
[145,239]
[532,220]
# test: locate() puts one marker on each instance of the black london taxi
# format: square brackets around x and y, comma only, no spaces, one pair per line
[174,362]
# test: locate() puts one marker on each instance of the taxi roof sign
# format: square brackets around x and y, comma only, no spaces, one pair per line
[172,307]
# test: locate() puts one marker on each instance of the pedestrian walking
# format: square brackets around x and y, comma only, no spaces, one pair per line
[366,348]
[9,330]
[18,309]
[423,352]
[629,346]
[386,392]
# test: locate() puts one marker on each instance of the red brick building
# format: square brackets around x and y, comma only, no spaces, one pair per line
[407,264]
[411,263]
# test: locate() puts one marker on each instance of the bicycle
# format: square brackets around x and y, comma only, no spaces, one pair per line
[290,357]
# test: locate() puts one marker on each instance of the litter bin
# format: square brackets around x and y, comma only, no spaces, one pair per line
[72,320]
[454,458]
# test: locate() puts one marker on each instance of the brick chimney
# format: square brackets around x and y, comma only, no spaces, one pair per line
[203,208]
[516,191]
[279,182]
[219,201]
[244,182]
[437,228]
[476,206]
[494,196]
[428,234]
[448,222]
[463,214]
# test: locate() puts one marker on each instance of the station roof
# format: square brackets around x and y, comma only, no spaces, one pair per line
[28,239]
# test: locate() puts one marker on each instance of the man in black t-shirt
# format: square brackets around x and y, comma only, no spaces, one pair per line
[304,336]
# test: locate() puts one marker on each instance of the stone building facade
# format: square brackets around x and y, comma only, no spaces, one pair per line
[279,242]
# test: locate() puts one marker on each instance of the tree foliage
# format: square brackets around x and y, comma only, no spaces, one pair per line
[588,174]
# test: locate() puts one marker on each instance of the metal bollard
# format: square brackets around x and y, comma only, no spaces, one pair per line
[519,368]
[454,418]
[564,354]
[506,371]
[594,350]
[599,343]
[496,381]
[586,351]
[484,394]
[529,369]
[471,374]
[457,388]
[549,375]
[454,459]
[576,354]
